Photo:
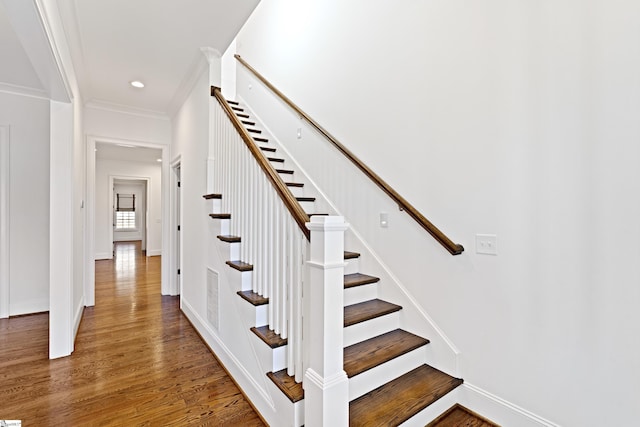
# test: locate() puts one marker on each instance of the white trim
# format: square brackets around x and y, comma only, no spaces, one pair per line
[99,257]
[90,220]
[23,91]
[78,317]
[98,104]
[4,220]
[175,287]
[154,252]
[92,140]
[499,410]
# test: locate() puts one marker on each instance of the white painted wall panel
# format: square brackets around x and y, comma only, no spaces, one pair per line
[512,118]
[28,119]
[121,125]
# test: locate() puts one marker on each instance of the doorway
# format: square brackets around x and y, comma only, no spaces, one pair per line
[129,211]
[176,228]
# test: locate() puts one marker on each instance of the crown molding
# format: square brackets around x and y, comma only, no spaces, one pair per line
[98,104]
[23,91]
[198,66]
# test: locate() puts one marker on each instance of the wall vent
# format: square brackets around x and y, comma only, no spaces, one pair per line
[213,299]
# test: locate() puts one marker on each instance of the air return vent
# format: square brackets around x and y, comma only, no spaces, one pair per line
[213,298]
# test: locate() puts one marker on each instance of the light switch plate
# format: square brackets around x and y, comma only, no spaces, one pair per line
[487,244]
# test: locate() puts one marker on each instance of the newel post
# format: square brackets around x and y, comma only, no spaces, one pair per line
[326,386]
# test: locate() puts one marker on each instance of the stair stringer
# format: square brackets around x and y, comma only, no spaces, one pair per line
[235,346]
[442,353]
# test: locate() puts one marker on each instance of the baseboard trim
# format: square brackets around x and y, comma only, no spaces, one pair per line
[230,363]
[499,410]
[154,252]
[103,255]
[77,319]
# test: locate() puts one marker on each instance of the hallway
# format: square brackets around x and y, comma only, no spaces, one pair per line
[137,361]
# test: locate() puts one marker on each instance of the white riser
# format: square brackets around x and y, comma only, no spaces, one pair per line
[371,328]
[231,251]
[271,359]
[253,315]
[214,205]
[221,225]
[308,207]
[292,413]
[360,294]
[352,266]
[382,374]
[296,191]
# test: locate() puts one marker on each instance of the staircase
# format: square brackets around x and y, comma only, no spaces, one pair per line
[389,379]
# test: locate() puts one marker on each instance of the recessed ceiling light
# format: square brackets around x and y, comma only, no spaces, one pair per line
[158,160]
[137,83]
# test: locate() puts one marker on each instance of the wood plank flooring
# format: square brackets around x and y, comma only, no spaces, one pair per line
[137,361]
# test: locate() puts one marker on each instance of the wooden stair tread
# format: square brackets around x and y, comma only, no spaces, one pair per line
[220,216]
[236,108]
[240,265]
[254,130]
[351,255]
[242,115]
[233,102]
[269,337]
[294,184]
[370,353]
[212,196]
[248,122]
[275,159]
[269,149]
[260,139]
[458,415]
[229,239]
[400,399]
[306,199]
[253,298]
[287,385]
[368,310]
[286,171]
[358,279]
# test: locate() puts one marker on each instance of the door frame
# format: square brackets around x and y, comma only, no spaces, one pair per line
[135,178]
[5,152]
[175,240]
[90,236]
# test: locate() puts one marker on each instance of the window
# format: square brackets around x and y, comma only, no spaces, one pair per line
[125,220]
[125,211]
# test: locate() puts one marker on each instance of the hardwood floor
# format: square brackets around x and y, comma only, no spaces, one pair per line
[137,361]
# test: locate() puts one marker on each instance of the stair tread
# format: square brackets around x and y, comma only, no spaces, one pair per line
[229,239]
[253,298]
[233,102]
[270,338]
[306,199]
[370,353]
[368,310]
[351,255]
[287,385]
[287,171]
[248,122]
[220,215]
[242,115]
[254,130]
[212,196]
[275,159]
[400,399]
[269,149]
[358,279]
[240,265]
[458,415]
[235,108]
[294,184]
[259,139]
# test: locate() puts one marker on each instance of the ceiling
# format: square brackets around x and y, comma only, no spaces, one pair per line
[114,42]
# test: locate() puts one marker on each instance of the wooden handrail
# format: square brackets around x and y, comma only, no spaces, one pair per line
[292,205]
[453,248]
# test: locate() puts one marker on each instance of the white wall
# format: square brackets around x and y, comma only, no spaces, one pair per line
[130,126]
[513,118]
[28,119]
[106,169]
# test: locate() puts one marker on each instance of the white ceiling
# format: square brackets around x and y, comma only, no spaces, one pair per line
[113,42]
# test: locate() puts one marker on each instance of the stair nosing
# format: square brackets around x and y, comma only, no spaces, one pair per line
[229,238]
[269,337]
[239,265]
[383,309]
[253,298]
[358,279]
